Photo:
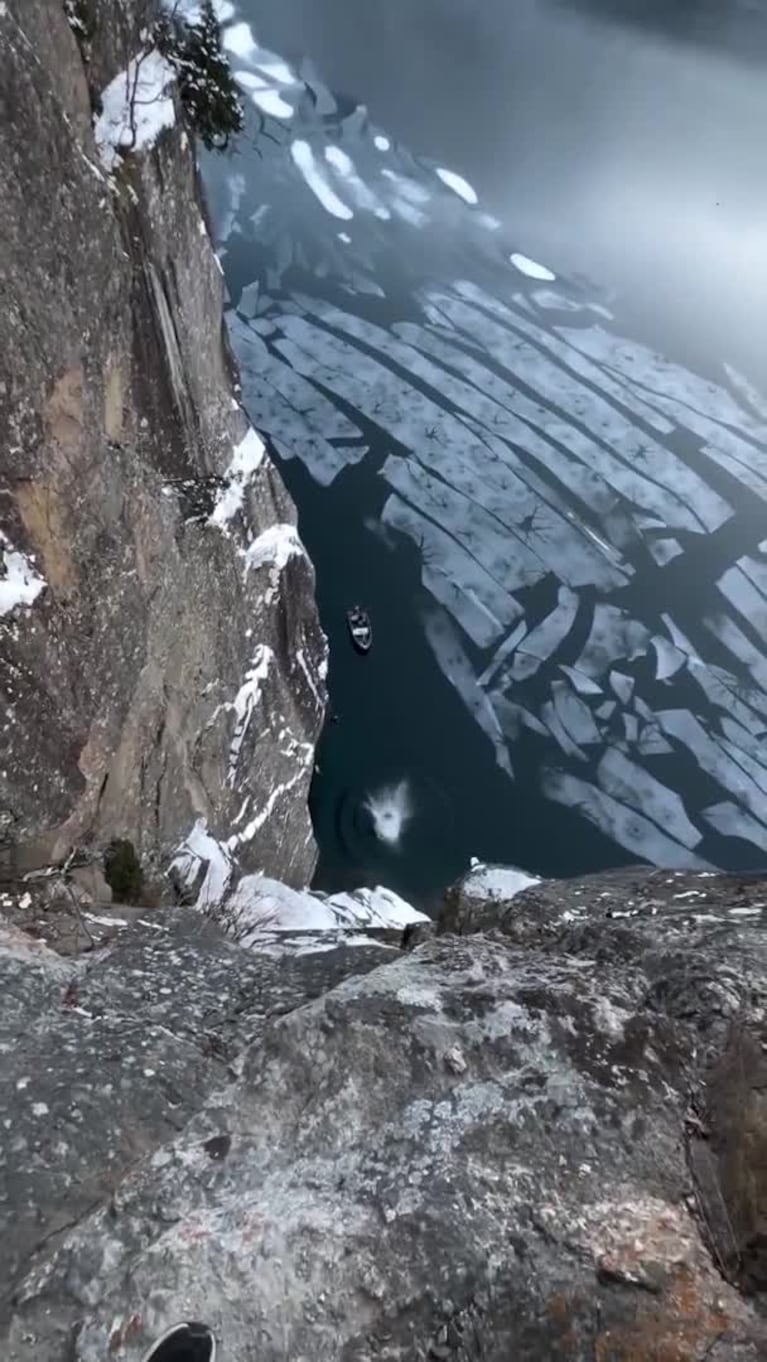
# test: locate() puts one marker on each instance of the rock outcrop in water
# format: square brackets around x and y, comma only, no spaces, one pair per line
[544,1139]
[161,661]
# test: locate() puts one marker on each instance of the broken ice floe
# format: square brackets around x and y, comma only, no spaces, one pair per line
[624,825]
[458,184]
[531,268]
[304,159]
[449,652]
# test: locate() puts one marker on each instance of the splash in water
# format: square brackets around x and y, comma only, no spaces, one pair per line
[391,810]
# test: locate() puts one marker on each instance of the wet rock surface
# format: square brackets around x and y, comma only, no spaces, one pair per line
[152,674]
[542,1138]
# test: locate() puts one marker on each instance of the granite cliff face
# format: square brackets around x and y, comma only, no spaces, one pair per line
[161,661]
[539,1135]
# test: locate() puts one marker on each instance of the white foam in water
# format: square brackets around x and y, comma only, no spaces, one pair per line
[303,157]
[531,268]
[391,809]
[459,186]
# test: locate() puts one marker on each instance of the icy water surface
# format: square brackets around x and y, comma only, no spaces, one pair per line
[550,496]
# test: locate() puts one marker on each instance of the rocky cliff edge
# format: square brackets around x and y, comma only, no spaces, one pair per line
[161,661]
[540,1134]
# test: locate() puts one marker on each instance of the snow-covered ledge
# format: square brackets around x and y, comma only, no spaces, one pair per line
[252,910]
[259,905]
[495,882]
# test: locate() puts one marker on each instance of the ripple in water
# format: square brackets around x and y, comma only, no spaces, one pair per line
[390,809]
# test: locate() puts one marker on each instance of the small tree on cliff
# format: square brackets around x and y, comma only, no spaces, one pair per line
[207,88]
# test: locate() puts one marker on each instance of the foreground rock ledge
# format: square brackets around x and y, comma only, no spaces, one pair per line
[544,1140]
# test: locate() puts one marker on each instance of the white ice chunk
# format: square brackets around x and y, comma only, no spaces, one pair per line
[135,107]
[664,550]
[606,710]
[625,825]
[652,742]
[670,658]
[303,158]
[559,732]
[381,143]
[512,717]
[458,185]
[736,585]
[634,786]
[20,583]
[747,390]
[271,102]
[460,574]
[531,268]
[456,666]
[756,573]
[732,821]
[575,716]
[582,683]
[362,195]
[631,727]
[613,635]
[622,685]
[497,882]
[712,757]
[504,650]
[249,300]
[238,38]
[542,641]
[247,458]
[734,639]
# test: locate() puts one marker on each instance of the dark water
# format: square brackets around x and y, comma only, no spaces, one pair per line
[549,494]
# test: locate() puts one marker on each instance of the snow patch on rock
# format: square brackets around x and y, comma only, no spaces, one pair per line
[135,108]
[247,458]
[20,584]
[274,548]
[260,904]
[497,882]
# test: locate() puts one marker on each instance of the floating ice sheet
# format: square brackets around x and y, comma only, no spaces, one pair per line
[624,825]
[531,268]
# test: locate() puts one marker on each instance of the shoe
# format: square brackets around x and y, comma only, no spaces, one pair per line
[187,1342]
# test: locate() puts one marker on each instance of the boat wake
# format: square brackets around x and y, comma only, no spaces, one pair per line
[390,809]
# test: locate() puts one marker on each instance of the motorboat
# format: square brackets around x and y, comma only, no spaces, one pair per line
[360,629]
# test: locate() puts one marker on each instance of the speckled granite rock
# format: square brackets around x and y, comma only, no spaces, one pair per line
[160,667]
[543,1142]
[107,1056]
